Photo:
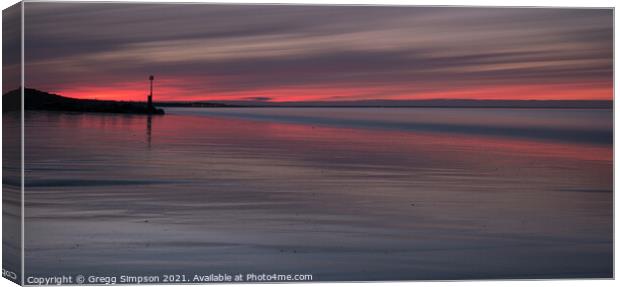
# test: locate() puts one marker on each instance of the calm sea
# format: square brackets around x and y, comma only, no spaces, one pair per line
[339,193]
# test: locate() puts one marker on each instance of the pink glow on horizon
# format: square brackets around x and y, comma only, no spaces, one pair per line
[175,90]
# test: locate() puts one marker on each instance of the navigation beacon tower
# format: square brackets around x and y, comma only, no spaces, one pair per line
[150,97]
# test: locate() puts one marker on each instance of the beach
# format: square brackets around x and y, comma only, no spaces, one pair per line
[344,194]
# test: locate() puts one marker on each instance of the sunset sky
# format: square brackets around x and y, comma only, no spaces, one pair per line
[310,53]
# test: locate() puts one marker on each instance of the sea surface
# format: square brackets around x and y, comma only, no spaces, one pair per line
[338,193]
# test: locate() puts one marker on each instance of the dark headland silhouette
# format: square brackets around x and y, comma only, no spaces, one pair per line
[39,100]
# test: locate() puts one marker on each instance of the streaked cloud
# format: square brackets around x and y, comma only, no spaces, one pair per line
[200,51]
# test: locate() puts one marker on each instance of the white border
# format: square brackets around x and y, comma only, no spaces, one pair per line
[508,3]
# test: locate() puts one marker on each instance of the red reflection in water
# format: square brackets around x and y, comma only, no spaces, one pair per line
[304,138]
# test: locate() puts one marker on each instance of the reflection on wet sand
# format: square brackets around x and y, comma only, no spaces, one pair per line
[149,122]
[222,193]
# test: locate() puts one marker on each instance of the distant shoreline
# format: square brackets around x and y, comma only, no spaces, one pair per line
[433,104]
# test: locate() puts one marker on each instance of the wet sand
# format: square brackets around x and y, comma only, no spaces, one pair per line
[343,194]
